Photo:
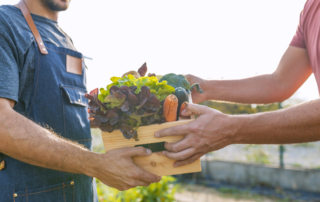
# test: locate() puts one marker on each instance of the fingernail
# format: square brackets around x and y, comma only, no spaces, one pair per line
[163,152]
[175,165]
[159,177]
[157,135]
[149,151]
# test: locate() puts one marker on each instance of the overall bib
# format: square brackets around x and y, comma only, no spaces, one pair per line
[57,102]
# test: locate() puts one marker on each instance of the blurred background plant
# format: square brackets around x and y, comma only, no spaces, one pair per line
[162,191]
[256,154]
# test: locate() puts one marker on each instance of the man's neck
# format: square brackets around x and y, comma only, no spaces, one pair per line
[38,8]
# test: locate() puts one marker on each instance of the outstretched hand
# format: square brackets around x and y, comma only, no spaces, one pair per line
[211,131]
[197,97]
[118,170]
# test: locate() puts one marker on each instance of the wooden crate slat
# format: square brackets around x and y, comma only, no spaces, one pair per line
[116,140]
[160,165]
[156,163]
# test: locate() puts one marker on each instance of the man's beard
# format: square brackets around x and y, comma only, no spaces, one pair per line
[54,6]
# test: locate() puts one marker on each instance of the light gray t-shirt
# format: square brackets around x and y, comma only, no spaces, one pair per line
[17,53]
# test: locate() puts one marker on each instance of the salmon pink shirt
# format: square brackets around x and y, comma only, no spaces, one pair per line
[308,35]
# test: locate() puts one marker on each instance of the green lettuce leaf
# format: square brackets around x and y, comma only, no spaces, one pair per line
[160,89]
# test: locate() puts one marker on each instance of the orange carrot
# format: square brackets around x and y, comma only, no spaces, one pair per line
[170,108]
[184,105]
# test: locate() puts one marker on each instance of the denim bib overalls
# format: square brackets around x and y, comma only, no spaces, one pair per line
[57,102]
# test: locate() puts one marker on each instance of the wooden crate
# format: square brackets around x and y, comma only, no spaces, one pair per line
[156,163]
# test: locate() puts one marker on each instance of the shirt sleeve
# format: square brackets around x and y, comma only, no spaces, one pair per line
[9,70]
[298,39]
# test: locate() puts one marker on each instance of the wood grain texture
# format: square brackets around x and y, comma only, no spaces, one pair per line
[155,163]
[160,165]
[116,140]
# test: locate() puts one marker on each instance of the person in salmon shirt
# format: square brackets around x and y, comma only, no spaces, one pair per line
[213,130]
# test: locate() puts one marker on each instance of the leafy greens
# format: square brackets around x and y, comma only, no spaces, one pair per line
[127,103]
[160,89]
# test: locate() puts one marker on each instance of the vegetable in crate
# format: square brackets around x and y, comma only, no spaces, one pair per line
[180,81]
[182,96]
[170,108]
[127,103]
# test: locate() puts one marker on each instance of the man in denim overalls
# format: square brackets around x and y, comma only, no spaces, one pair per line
[42,88]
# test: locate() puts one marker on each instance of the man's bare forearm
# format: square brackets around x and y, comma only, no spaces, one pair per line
[260,90]
[26,141]
[296,124]
[292,71]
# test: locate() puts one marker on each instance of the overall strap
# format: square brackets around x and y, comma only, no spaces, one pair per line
[33,27]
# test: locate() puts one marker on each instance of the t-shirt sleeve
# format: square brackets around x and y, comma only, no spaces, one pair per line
[9,70]
[298,39]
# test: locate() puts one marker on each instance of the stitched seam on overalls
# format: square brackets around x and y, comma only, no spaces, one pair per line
[62,53]
[64,194]
[27,194]
[35,91]
[73,193]
[44,191]
[64,119]
[57,51]
[74,88]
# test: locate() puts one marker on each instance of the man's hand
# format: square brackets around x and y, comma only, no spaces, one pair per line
[116,169]
[197,97]
[213,130]
[28,142]
[210,131]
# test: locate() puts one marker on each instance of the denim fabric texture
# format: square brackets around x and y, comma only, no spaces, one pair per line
[17,52]
[58,103]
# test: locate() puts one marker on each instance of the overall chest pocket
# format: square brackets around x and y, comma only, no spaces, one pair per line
[62,192]
[75,113]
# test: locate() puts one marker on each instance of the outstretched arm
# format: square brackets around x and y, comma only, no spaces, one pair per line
[26,141]
[213,130]
[293,70]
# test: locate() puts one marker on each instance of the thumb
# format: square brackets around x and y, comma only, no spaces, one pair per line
[138,151]
[194,109]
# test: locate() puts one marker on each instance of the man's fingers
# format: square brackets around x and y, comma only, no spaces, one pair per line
[141,183]
[194,109]
[149,178]
[178,146]
[183,155]
[177,130]
[138,151]
[188,160]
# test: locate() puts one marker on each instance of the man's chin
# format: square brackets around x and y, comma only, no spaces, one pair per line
[57,5]
[64,4]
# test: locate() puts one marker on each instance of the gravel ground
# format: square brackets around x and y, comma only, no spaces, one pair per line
[197,193]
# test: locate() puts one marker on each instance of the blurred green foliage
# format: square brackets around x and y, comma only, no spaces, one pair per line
[256,154]
[235,108]
[162,191]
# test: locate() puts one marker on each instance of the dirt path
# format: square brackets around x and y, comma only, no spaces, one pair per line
[196,193]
